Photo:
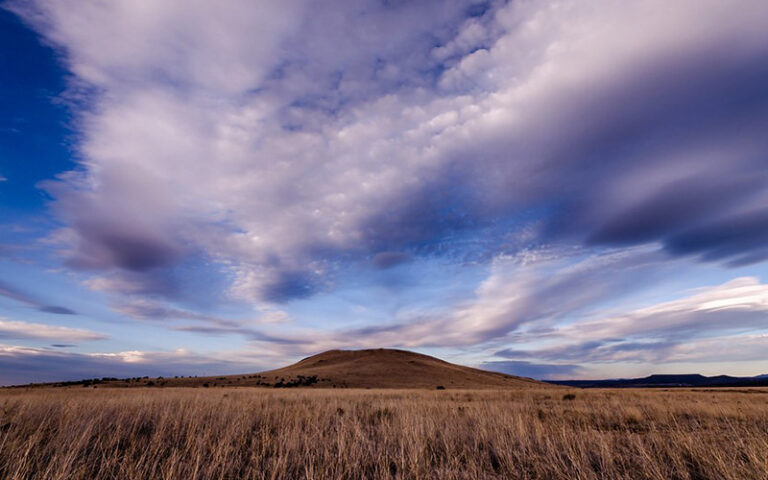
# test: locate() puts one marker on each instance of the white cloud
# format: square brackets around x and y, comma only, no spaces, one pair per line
[17,329]
[737,304]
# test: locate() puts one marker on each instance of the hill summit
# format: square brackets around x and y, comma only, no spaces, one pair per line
[389,368]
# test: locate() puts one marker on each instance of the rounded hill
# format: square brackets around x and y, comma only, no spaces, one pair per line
[389,368]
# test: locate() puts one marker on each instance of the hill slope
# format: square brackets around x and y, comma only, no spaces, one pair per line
[386,368]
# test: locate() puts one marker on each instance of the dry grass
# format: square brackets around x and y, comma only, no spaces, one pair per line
[228,433]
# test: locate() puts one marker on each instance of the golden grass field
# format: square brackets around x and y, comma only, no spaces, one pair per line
[233,433]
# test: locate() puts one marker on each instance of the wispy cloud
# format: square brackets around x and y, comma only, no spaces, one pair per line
[16,329]
[529,291]
[687,329]
[29,300]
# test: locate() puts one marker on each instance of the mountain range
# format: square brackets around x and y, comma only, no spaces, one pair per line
[667,380]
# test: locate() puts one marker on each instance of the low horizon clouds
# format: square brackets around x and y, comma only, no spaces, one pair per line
[241,154]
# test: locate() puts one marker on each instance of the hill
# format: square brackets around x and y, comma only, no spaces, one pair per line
[386,368]
[376,368]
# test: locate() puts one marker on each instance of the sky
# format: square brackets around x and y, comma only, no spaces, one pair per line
[551,188]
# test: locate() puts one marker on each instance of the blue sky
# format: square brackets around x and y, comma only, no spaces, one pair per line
[556,189]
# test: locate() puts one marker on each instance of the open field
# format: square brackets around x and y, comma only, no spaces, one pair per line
[228,433]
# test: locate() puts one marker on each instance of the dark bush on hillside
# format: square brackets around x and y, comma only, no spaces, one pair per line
[300,381]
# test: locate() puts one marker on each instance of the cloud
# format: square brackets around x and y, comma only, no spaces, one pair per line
[531,290]
[22,297]
[57,310]
[385,260]
[523,297]
[732,348]
[209,324]
[241,110]
[697,327]
[147,309]
[280,143]
[17,330]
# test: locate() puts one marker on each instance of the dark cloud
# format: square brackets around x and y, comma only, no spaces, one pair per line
[385,260]
[290,285]
[250,333]
[673,208]
[539,371]
[101,248]
[740,237]
[127,240]
[138,254]
[27,299]
[57,310]
[700,112]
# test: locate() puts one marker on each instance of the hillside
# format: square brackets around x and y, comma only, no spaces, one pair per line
[376,368]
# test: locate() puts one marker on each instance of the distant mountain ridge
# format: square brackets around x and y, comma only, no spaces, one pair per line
[669,380]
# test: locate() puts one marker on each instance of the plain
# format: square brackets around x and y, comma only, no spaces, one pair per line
[267,433]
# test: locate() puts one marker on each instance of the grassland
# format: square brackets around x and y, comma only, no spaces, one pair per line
[232,433]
